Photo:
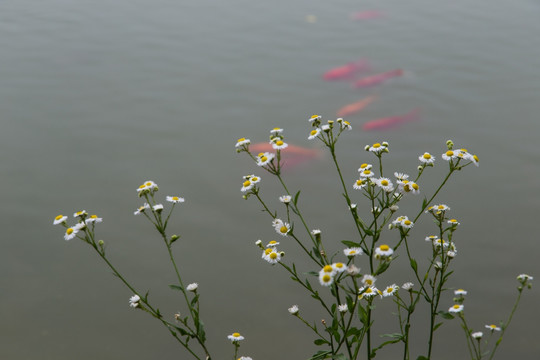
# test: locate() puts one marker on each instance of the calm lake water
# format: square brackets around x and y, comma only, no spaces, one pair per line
[98,96]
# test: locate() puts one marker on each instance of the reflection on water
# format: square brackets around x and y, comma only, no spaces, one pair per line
[97,97]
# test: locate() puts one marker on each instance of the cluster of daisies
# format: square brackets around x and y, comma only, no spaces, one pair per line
[367,177]
[270,251]
[235,338]
[83,221]
[149,188]
[265,158]
[319,130]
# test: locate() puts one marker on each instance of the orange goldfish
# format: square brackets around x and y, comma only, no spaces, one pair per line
[346,71]
[392,121]
[377,78]
[290,156]
[355,107]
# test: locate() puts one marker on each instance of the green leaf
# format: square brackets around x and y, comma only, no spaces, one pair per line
[295,201]
[414,265]
[320,342]
[194,300]
[350,243]
[422,357]
[445,315]
[319,355]
[437,326]
[339,357]
[176,287]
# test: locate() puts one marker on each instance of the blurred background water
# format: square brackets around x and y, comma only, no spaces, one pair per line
[98,96]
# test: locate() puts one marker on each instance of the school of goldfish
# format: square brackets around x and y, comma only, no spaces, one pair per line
[356,72]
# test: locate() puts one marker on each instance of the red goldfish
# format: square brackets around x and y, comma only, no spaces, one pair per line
[364,15]
[392,121]
[346,71]
[377,78]
[290,156]
[355,107]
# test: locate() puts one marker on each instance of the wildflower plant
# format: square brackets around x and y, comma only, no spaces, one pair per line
[354,292]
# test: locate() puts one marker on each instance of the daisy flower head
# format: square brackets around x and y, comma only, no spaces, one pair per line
[343,308]
[276,131]
[407,286]
[456,308]
[493,327]
[385,184]
[438,209]
[147,187]
[523,278]
[353,270]
[175,199]
[432,238]
[134,301]
[351,252]
[427,158]
[141,209]
[282,228]
[293,310]
[264,158]
[453,222]
[59,219]
[93,219]
[315,118]
[366,173]
[158,208]
[390,290]
[326,279]
[247,186]
[369,280]
[360,183]
[400,177]
[192,287]
[475,160]
[365,166]
[460,292]
[477,335]
[403,222]
[81,214]
[345,125]
[285,199]
[449,155]
[271,255]
[315,232]
[71,232]
[314,133]
[235,337]
[368,292]
[383,252]
[377,148]
[339,267]
[272,243]
[407,186]
[326,128]
[278,144]
[242,142]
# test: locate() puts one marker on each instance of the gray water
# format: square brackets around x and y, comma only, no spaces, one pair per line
[98,96]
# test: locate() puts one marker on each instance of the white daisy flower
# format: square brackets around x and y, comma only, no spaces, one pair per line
[93,219]
[314,133]
[524,277]
[400,177]
[367,292]
[385,184]
[326,279]
[81,213]
[377,148]
[493,327]
[369,280]
[157,207]
[477,335]
[407,286]
[282,228]
[285,199]
[449,155]
[235,337]
[247,186]
[272,243]
[134,301]
[360,183]
[345,125]
[383,251]
[276,131]
[403,222]
[325,128]
[354,251]
[147,186]
[339,267]
[293,310]
[271,255]
[390,290]
[192,287]
[432,238]
[279,145]
[242,141]
[343,308]
[59,219]
[328,269]
[453,222]
[460,292]
[456,308]
[366,173]
[407,186]
[315,118]
[365,167]
[265,158]
[315,232]
[427,158]
[141,209]
[71,232]
[175,199]
[475,160]
[353,270]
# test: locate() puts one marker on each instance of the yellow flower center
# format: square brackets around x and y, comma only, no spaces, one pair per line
[363,166]
[464,150]
[264,158]
[385,247]
[427,156]
[449,153]
[314,116]
[326,278]
[376,145]
[283,229]
[327,268]
[241,139]
[367,172]
[273,242]
[246,183]
[313,132]
[254,179]
[277,128]
[453,221]
[273,256]
[279,143]
[492,326]
[236,334]
[384,182]
[148,183]
[476,158]
[176,198]
[339,265]
[456,306]
[69,231]
[142,186]
[93,216]
[359,182]
[58,217]
[415,186]
[440,207]
[267,251]
[368,291]
[407,222]
[347,123]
